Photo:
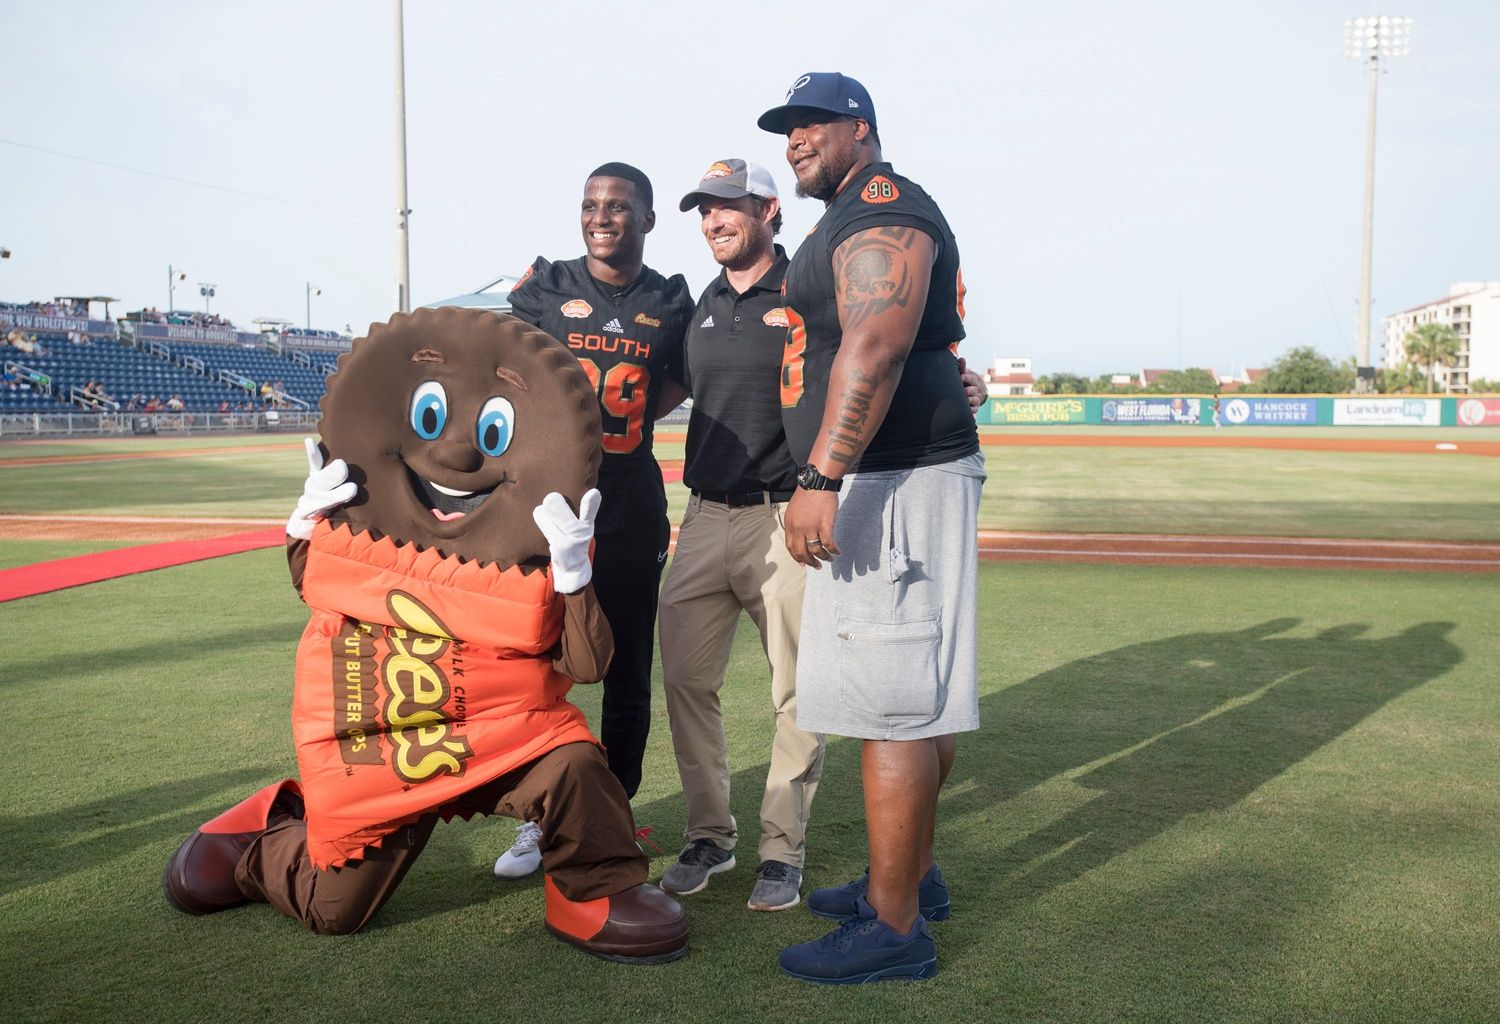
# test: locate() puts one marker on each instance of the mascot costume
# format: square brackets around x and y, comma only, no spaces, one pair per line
[444,554]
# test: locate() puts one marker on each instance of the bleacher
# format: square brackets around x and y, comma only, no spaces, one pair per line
[125,372]
[303,383]
[216,364]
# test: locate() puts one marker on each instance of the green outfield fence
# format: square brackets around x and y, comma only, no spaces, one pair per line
[1244,410]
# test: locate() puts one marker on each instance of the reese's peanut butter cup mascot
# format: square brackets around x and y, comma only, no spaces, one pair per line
[448,576]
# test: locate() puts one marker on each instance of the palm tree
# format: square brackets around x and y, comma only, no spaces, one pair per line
[1395,380]
[1431,346]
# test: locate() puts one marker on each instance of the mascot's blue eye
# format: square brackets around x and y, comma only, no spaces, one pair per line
[497,422]
[429,410]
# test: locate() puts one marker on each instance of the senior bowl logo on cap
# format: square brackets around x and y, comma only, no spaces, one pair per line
[719,170]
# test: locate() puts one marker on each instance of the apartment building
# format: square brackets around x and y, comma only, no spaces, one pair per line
[1472,309]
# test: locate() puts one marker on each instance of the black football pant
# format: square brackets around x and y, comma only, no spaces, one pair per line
[627,575]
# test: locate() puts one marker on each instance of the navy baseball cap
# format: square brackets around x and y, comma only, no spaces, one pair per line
[824,91]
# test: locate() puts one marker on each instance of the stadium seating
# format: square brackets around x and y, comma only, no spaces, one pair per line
[126,371]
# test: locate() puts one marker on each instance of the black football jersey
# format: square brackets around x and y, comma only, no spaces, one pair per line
[929,421]
[629,341]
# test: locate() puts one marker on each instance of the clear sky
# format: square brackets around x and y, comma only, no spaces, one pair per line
[1104,166]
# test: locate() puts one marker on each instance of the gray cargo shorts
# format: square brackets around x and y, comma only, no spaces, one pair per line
[890,627]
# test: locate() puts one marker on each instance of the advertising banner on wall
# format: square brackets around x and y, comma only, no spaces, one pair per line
[1036,410]
[43,322]
[1387,412]
[1479,412]
[1166,411]
[192,332]
[1260,412]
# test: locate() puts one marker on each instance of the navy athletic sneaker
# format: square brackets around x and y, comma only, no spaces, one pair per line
[838,902]
[863,949]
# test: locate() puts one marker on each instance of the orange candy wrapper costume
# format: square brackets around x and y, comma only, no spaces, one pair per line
[419,677]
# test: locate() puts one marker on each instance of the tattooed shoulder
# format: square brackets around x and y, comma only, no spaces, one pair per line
[872,273]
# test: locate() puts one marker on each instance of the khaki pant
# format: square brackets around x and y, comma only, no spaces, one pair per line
[728,559]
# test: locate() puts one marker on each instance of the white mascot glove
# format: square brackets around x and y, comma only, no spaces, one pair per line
[568,537]
[327,488]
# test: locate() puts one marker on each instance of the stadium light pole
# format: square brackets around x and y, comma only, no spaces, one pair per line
[311,291]
[403,212]
[1370,40]
[173,276]
[208,291]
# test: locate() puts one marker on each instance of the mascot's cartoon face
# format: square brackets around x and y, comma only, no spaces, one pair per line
[456,423]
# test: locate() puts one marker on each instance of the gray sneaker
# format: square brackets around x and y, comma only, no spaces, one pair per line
[698,860]
[776,886]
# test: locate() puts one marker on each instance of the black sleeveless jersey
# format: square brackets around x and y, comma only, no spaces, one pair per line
[629,341]
[929,421]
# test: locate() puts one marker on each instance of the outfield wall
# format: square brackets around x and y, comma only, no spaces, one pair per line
[1244,411]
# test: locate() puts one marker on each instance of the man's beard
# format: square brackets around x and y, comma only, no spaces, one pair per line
[745,254]
[824,185]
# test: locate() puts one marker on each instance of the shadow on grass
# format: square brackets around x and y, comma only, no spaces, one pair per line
[87,835]
[165,649]
[1158,731]
[1167,729]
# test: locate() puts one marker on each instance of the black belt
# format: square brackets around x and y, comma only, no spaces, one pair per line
[745,500]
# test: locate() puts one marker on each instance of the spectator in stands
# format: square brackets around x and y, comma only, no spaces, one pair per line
[224,406]
[11,380]
[153,404]
[174,404]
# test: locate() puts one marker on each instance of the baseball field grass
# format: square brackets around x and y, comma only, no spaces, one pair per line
[1240,795]
[1251,795]
[1219,491]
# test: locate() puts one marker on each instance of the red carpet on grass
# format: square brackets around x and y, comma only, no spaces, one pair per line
[45,577]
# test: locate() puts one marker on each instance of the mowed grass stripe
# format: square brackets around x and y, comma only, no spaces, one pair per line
[1197,795]
[1225,492]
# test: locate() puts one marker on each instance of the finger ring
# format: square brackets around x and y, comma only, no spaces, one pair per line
[814,540]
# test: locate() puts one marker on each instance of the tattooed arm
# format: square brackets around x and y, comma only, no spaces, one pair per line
[881,277]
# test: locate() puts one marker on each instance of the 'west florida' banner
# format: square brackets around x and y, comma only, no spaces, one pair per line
[1259,412]
[1387,412]
[1151,410]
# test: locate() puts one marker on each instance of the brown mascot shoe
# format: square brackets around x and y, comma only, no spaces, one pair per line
[638,926]
[199,878]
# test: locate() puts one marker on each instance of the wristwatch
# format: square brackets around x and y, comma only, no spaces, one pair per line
[809,479]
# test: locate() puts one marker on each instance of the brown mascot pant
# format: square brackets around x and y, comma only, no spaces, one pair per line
[588,844]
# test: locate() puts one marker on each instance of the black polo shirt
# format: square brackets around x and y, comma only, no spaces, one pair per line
[732,366]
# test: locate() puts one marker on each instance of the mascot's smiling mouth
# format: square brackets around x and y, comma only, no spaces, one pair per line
[447,503]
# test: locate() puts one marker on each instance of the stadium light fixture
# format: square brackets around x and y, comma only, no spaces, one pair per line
[310,292]
[1371,40]
[173,277]
[208,291]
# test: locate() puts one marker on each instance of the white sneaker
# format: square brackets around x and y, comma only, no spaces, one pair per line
[522,858]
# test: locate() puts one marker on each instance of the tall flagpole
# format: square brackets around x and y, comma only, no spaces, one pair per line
[403,213]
